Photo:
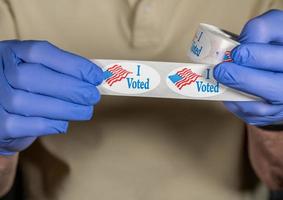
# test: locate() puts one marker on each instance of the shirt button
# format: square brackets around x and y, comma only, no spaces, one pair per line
[147,8]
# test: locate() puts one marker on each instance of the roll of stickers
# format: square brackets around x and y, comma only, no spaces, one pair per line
[211,45]
[164,80]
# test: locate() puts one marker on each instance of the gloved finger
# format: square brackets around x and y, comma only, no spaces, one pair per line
[231,106]
[16,126]
[253,108]
[10,147]
[44,53]
[261,120]
[29,104]
[36,78]
[260,56]
[264,28]
[260,83]
[259,114]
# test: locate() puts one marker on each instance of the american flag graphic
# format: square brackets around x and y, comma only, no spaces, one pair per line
[184,77]
[227,56]
[114,74]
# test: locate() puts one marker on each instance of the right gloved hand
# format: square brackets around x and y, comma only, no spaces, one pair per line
[257,69]
[41,89]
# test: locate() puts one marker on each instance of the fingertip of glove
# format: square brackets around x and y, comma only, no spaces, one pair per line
[100,76]
[65,127]
[89,96]
[85,113]
[94,75]
[240,54]
[222,74]
[217,71]
[61,127]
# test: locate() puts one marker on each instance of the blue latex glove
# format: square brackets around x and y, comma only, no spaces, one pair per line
[257,69]
[41,89]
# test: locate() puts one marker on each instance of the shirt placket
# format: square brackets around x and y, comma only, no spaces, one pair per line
[148,23]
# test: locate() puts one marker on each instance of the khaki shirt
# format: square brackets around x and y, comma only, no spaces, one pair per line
[136,148]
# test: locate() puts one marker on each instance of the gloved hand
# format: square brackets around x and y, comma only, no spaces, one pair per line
[257,69]
[41,89]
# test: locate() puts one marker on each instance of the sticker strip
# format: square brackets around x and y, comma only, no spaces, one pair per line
[164,80]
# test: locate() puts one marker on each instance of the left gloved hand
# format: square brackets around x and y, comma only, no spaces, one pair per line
[42,88]
[257,69]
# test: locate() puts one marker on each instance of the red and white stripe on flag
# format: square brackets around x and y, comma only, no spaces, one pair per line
[118,74]
[188,77]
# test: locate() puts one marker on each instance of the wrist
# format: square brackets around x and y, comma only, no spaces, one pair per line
[7,161]
[8,166]
[265,152]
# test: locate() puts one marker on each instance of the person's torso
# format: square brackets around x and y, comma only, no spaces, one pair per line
[137,148]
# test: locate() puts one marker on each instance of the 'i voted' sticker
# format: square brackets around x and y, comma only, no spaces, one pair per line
[194,82]
[200,45]
[130,78]
[211,45]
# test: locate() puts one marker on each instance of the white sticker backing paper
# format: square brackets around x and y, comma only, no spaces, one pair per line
[164,80]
